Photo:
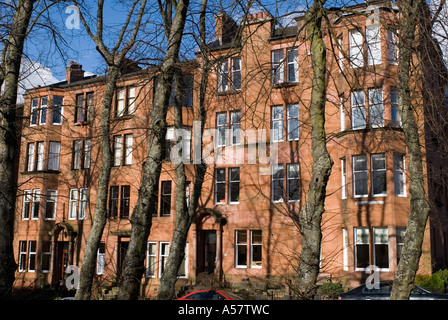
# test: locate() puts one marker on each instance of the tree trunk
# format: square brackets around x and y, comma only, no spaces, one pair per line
[99,221]
[311,215]
[9,143]
[141,219]
[419,204]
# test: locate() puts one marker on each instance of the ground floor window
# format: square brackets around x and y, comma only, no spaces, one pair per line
[156,258]
[248,248]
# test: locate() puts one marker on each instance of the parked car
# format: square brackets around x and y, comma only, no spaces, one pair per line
[210,295]
[383,293]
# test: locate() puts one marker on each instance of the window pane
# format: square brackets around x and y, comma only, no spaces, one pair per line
[376,118]
[360,175]
[220,185]
[54,155]
[373,45]
[56,116]
[379,183]
[356,43]
[165,201]
[234,184]
[293,65]
[277,183]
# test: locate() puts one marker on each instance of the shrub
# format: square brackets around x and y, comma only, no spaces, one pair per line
[437,282]
[330,290]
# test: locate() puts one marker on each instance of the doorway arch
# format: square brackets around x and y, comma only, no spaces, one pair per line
[207,243]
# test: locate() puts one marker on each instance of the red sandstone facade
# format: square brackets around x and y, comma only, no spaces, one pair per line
[244,232]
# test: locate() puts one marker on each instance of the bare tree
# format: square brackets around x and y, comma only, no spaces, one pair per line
[174,17]
[414,19]
[10,62]
[310,216]
[114,59]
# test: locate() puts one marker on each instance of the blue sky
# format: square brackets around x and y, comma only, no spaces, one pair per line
[74,43]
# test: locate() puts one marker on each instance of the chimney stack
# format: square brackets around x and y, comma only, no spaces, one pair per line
[74,72]
[225,27]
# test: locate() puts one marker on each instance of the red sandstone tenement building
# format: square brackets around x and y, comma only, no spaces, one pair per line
[244,232]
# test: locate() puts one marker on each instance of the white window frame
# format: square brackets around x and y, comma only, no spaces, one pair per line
[118,143]
[40,156]
[356,53]
[32,254]
[83,201]
[361,243]
[101,259]
[27,196]
[31,150]
[275,168]
[22,255]
[235,128]
[252,245]
[342,112]
[223,76]
[35,201]
[73,204]
[345,249]
[358,109]
[344,178]
[394,106]
[375,242]
[55,107]
[45,254]
[239,264]
[376,108]
[34,112]
[373,40]
[372,173]
[54,155]
[150,256]
[128,141]
[184,264]
[291,119]
[289,178]
[277,66]
[51,198]
[216,186]
[400,174]
[392,44]
[163,256]
[234,182]
[87,153]
[130,103]
[120,101]
[77,144]
[277,118]
[221,129]
[236,73]
[43,110]
[292,63]
[354,158]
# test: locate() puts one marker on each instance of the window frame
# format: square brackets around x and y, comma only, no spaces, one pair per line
[356,250]
[356,50]
[289,119]
[233,183]
[219,186]
[166,198]
[277,134]
[54,156]
[27,204]
[355,181]
[359,106]
[374,170]
[276,168]
[292,62]
[288,181]
[373,44]
[34,112]
[57,108]
[43,110]
[376,105]
[375,249]
[53,198]
[400,172]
